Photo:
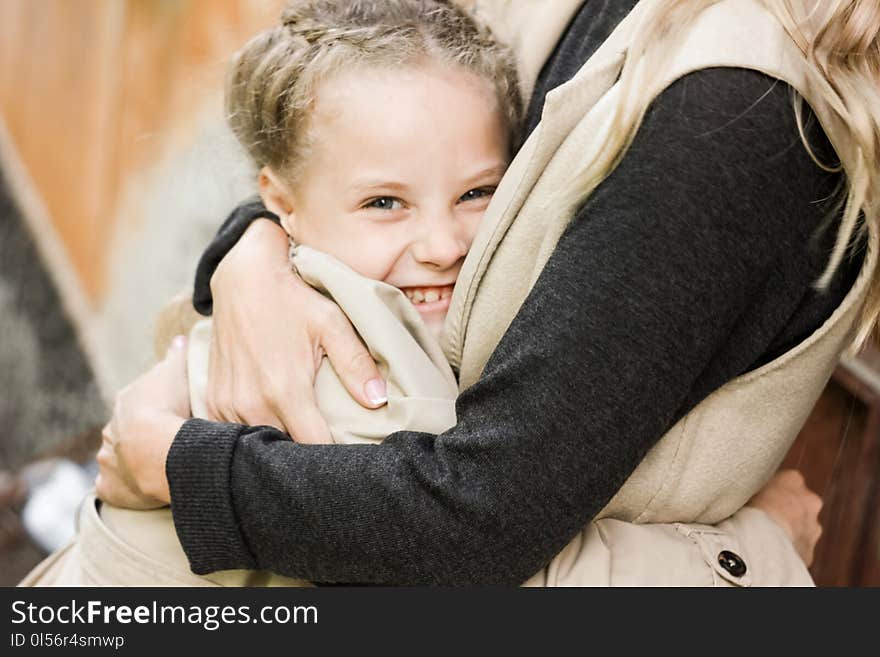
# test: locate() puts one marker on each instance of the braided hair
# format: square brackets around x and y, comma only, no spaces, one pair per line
[272,81]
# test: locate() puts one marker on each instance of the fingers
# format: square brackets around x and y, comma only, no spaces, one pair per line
[219,396]
[249,406]
[789,502]
[235,393]
[106,459]
[176,346]
[110,484]
[351,360]
[105,482]
[794,481]
[808,550]
[793,478]
[811,505]
[283,398]
[307,425]
[113,491]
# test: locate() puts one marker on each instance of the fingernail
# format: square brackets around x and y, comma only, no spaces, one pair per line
[179,342]
[376,392]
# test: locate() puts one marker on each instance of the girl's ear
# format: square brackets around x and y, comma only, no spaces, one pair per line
[276,198]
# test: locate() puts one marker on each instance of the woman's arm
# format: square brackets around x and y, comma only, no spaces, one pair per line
[687,267]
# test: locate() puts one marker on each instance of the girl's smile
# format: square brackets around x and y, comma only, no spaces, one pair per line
[431,302]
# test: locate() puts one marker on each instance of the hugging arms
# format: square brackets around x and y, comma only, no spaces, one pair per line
[663,287]
[563,401]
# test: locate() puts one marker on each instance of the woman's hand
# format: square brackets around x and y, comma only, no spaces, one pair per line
[147,415]
[788,501]
[270,332]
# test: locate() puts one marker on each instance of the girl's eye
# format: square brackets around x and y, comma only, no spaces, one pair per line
[385,203]
[475,194]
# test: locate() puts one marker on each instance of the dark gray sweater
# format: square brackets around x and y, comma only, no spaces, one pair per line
[691,264]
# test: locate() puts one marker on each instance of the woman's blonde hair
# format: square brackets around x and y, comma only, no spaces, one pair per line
[840,40]
[272,82]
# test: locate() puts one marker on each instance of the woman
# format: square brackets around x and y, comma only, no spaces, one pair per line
[679,298]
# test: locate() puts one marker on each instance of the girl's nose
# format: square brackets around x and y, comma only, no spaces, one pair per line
[442,242]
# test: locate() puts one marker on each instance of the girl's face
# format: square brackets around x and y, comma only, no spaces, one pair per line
[402,165]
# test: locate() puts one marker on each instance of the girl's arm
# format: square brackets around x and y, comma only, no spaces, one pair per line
[687,267]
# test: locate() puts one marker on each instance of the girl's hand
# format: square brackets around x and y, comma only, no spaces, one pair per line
[788,501]
[270,332]
[147,415]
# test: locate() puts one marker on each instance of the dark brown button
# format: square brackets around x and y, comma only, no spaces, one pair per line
[732,563]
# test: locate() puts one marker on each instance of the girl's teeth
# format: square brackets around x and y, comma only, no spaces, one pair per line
[428,295]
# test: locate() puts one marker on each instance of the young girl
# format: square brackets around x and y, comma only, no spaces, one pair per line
[391,133]
[380,131]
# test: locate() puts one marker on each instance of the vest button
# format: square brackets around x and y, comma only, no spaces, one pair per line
[732,563]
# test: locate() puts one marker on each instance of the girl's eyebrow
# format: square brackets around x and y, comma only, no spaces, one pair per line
[495,170]
[368,184]
[491,171]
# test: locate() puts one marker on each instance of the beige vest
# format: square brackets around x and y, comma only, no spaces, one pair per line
[682,478]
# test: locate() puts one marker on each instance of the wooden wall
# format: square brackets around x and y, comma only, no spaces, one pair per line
[93,92]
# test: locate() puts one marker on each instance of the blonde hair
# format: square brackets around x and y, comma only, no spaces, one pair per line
[272,82]
[840,40]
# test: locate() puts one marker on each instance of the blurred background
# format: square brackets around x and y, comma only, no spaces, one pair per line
[116,168]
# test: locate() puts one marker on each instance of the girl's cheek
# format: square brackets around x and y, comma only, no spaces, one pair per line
[376,255]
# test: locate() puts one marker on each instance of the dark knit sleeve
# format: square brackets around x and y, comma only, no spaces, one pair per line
[227,236]
[688,266]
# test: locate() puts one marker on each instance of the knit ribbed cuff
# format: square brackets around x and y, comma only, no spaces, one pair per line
[198,468]
[227,237]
